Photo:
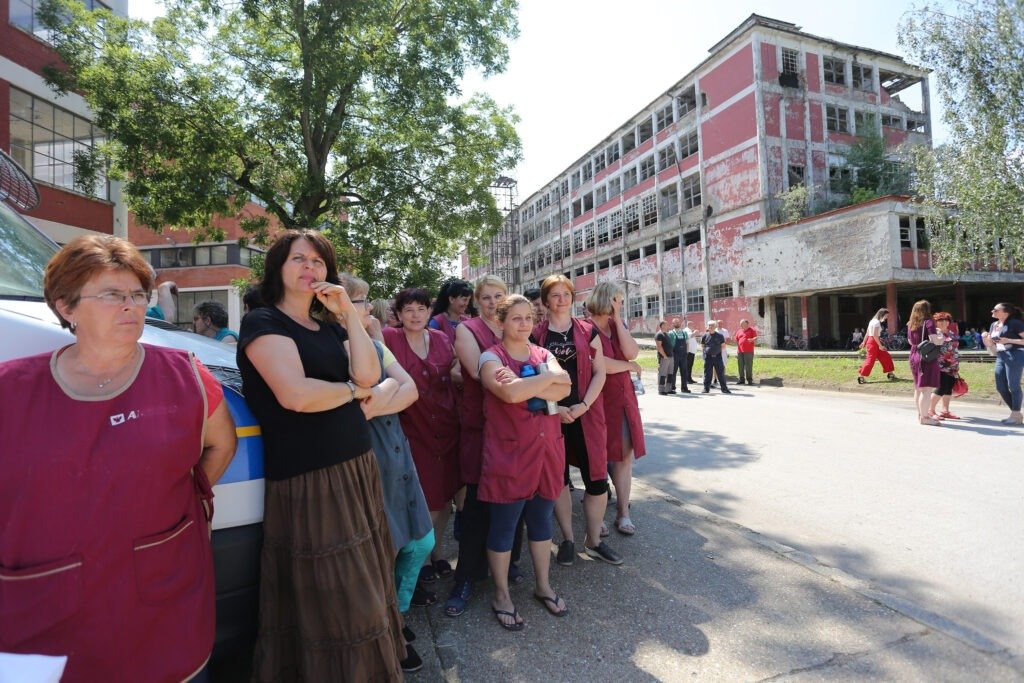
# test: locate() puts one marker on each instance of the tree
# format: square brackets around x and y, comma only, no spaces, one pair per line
[973,186]
[873,174]
[342,115]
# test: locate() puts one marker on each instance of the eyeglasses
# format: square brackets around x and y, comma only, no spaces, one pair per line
[115,298]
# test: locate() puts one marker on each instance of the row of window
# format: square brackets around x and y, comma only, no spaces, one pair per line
[646,211]
[212,255]
[837,120]
[45,140]
[23,14]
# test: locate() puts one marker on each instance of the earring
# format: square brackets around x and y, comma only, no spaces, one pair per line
[74,325]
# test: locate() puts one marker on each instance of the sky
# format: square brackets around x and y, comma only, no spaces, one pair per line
[581,68]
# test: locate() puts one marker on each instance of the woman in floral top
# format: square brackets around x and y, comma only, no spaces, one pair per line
[949,366]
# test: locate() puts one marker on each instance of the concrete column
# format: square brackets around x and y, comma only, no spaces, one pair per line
[894,321]
[804,310]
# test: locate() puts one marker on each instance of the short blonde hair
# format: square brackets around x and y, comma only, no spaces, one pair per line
[353,284]
[489,281]
[600,300]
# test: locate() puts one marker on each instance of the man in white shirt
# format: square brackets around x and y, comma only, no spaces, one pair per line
[691,349]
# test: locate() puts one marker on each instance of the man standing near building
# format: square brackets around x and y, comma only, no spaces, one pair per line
[691,350]
[679,343]
[662,342]
[745,352]
[713,341]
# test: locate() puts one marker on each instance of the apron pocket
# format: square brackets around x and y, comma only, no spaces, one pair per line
[37,598]
[167,564]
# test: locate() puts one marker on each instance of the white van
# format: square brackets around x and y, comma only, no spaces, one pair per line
[28,327]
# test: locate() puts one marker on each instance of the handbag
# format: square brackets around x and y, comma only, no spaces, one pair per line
[959,387]
[926,349]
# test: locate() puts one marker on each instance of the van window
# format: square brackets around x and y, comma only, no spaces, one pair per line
[24,252]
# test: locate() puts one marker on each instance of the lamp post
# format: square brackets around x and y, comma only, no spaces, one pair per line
[628,283]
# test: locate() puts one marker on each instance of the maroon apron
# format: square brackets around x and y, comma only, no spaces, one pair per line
[594,431]
[431,423]
[472,435]
[104,541]
[620,402]
[445,325]
[523,453]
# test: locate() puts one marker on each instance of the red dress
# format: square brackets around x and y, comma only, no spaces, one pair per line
[471,442]
[523,453]
[432,422]
[620,403]
[104,541]
[593,422]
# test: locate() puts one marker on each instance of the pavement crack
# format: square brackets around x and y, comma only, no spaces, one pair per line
[843,658]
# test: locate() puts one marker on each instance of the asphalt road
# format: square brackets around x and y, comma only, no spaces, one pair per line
[931,515]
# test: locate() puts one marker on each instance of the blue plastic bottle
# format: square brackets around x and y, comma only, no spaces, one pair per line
[535,404]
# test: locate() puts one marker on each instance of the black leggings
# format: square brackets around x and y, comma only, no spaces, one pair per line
[945,384]
[476,518]
[576,444]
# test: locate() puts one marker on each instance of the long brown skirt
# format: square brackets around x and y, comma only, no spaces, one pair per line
[328,610]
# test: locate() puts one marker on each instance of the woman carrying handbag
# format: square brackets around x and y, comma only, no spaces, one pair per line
[949,367]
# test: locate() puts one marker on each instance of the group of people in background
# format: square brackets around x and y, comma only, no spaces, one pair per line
[677,349]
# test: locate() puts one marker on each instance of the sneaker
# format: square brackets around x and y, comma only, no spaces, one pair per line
[861,380]
[566,553]
[604,552]
[412,661]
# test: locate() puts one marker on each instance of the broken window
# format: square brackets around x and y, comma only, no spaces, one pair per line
[796,175]
[834,70]
[633,255]
[723,291]
[836,119]
[790,62]
[629,178]
[602,232]
[629,142]
[577,208]
[601,195]
[649,210]
[670,244]
[864,122]
[588,236]
[645,131]
[602,264]
[650,250]
[667,157]
[653,304]
[890,121]
[863,77]
[647,168]
[691,191]
[616,223]
[692,237]
[577,242]
[688,145]
[599,162]
[905,242]
[916,125]
[588,202]
[588,171]
[694,300]
[673,302]
[665,117]
[631,218]
[839,178]
[636,307]
[614,188]
[921,230]
[669,201]
[687,101]
[575,180]
[612,152]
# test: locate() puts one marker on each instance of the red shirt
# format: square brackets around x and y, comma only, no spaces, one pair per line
[745,340]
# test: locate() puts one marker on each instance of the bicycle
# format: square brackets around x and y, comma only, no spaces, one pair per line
[794,343]
[895,342]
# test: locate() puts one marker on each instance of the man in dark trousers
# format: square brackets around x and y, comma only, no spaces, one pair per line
[712,341]
[679,335]
[665,373]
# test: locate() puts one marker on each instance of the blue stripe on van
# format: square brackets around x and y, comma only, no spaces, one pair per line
[248,461]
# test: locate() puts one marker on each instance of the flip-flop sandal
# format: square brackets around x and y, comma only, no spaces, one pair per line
[552,601]
[443,568]
[604,530]
[422,598]
[515,575]
[624,525]
[515,625]
[428,574]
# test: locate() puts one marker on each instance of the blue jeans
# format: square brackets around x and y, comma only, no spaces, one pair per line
[1009,367]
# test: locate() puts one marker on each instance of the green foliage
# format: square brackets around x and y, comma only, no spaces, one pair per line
[794,204]
[341,115]
[973,187]
[873,173]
